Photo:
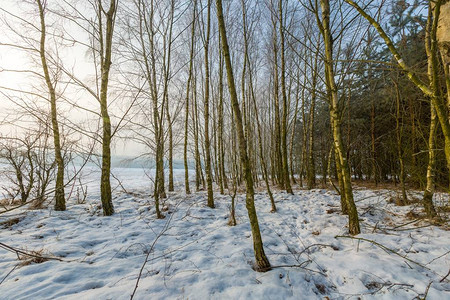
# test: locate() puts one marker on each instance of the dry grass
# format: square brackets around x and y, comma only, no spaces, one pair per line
[38,203]
[35,257]
[380,186]
[10,202]
[9,223]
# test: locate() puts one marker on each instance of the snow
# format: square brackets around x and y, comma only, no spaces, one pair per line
[194,254]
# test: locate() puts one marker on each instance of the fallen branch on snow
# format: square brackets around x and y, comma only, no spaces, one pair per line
[445,277]
[19,251]
[388,250]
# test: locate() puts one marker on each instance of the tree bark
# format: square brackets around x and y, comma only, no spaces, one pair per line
[198,164]
[284,148]
[278,157]
[186,120]
[60,202]
[346,188]
[433,76]
[442,16]
[106,53]
[255,108]
[262,263]
[399,133]
[206,112]
[223,176]
[429,189]
[150,69]
[311,173]
[167,61]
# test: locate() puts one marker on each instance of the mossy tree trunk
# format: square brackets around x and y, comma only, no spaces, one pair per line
[105,41]
[148,56]
[433,76]
[294,128]
[186,107]
[429,189]
[206,110]
[167,45]
[262,263]
[277,157]
[346,188]
[221,154]
[255,108]
[399,136]
[198,164]
[60,202]
[442,34]
[284,129]
[311,172]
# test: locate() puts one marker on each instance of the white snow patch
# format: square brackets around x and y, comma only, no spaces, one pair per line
[200,257]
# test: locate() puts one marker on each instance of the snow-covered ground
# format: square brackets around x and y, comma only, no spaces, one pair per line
[193,254]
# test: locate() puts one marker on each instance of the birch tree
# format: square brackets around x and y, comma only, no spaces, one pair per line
[262,263]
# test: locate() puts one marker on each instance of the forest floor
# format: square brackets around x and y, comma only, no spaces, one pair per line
[194,254]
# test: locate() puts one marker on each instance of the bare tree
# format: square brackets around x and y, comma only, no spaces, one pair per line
[284,121]
[188,95]
[60,203]
[262,263]
[341,159]
[206,40]
[105,39]
[255,107]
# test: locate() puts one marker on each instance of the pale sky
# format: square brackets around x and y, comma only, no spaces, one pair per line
[74,58]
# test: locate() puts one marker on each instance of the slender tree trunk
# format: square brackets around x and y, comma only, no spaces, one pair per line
[215,153]
[198,164]
[157,116]
[186,120]
[431,49]
[169,122]
[60,202]
[106,53]
[294,128]
[304,150]
[414,169]
[261,153]
[346,189]
[167,77]
[398,131]
[429,189]
[311,173]
[262,263]
[284,148]
[373,145]
[255,108]
[339,173]
[291,147]
[311,163]
[206,112]
[150,69]
[278,157]
[224,182]
[442,34]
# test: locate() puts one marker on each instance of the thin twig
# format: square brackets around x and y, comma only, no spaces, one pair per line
[161,233]
[19,251]
[301,265]
[445,277]
[427,290]
[438,258]
[388,250]
[4,278]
